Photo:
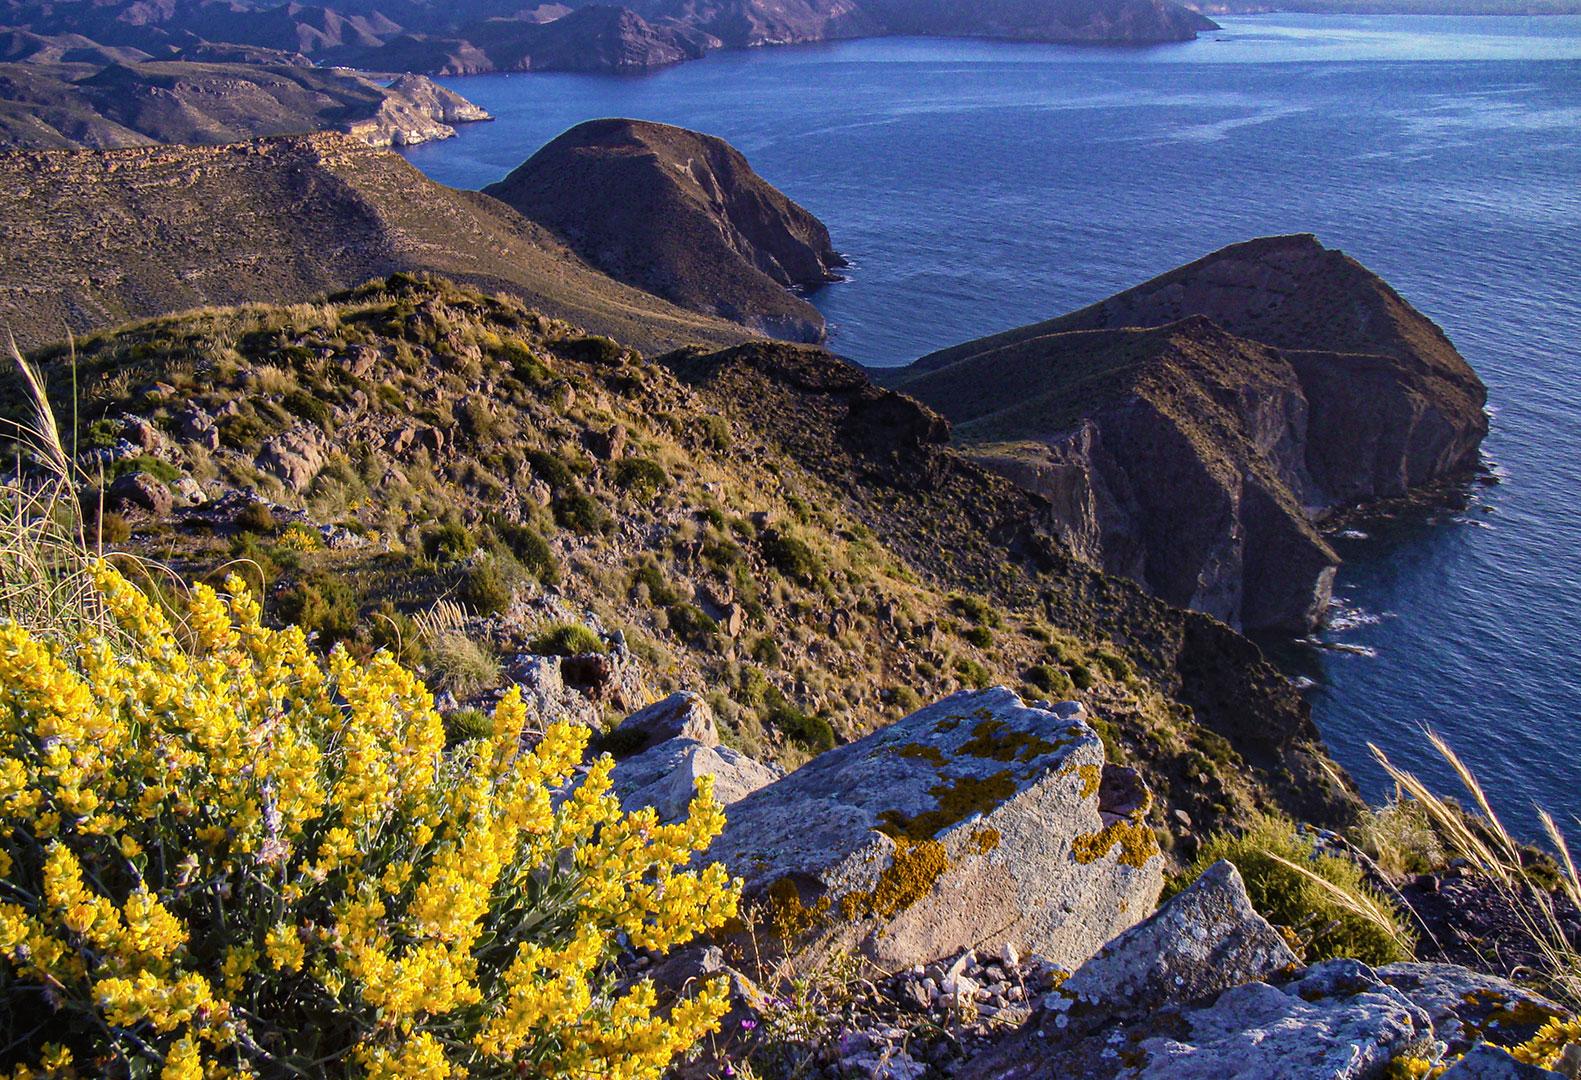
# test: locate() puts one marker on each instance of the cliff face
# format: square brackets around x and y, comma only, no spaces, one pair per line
[60,106]
[99,237]
[1282,380]
[681,215]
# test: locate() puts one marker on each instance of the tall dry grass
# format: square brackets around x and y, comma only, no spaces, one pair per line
[1541,911]
[44,548]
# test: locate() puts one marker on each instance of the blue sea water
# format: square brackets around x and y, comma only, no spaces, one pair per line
[977,186]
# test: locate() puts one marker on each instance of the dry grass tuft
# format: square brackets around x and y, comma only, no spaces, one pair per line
[1495,854]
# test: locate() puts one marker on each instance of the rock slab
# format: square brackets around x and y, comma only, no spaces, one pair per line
[973,822]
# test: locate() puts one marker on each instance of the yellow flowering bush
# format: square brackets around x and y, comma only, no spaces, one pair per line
[221,855]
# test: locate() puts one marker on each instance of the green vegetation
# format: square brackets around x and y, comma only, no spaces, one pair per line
[566,639]
[1323,900]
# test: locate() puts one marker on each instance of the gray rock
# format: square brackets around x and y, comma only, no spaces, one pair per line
[1484,1062]
[191,491]
[1339,1022]
[682,715]
[1206,940]
[1469,1006]
[665,776]
[974,822]
[141,491]
[295,457]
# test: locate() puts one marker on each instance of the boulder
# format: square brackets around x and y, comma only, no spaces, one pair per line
[1468,1006]
[141,491]
[295,457]
[1337,1022]
[974,822]
[665,776]
[682,715]
[1204,941]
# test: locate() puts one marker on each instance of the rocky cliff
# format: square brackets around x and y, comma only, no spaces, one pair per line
[681,215]
[96,238]
[59,106]
[1279,381]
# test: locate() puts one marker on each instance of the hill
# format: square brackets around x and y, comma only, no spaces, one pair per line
[99,237]
[484,35]
[681,215]
[1287,381]
[61,105]
[762,522]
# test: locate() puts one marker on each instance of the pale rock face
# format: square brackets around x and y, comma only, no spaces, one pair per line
[665,776]
[972,823]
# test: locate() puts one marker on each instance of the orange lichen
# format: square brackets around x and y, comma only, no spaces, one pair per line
[957,801]
[984,840]
[1091,777]
[997,741]
[1136,841]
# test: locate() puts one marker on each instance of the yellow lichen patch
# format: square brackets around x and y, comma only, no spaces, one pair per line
[984,840]
[998,741]
[1091,777]
[924,751]
[1137,843]
[957,801]
[916,867]
[948,725]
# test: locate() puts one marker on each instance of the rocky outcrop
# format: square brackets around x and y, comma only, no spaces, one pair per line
[1190,432]
[976,821]
[58,106]
[1205,988]
[98,238]
[681,215]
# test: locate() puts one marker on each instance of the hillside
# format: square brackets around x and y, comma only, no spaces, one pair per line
[1287,381]
[681,215]
[63,106]
[484,35]
[762,523]
[95,238]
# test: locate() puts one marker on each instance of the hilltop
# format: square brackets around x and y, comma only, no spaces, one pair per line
[63,105]
[1276,381]
[761,521]
[99,237]
[681,215]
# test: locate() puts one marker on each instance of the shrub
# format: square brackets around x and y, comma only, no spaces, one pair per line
[551,470]
[450,542]
[640,476]
[1323,899]
[1049,679]
[581,513]
[973,673]
[691,623]
[791,556]
[320,602]
[305,406]
[1399,836]
[300,538]
[594,349]
[256,517]
[280,871]
[463,725]
[980,636]
[490,582]
[532,551]
[566,639]
[811,731]
[242,432]
[976,609]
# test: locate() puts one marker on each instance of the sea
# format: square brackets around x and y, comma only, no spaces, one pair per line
[977,186]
